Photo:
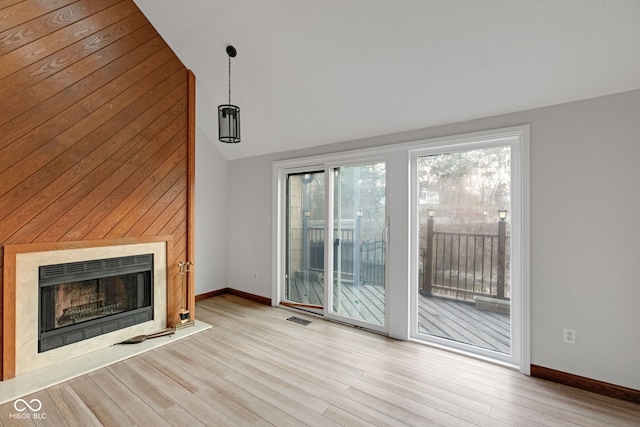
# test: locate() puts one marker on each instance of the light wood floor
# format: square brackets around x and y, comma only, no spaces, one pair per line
[256,368]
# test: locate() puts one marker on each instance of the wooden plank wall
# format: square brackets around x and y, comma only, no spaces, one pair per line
[93,127]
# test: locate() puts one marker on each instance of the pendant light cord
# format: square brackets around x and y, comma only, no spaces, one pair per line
[229,79]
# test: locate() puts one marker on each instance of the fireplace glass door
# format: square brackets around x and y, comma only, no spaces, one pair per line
[84,299]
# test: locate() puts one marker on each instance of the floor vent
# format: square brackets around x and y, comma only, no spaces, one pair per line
[299,320]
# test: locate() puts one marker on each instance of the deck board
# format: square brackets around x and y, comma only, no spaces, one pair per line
[437,316]
[465,323]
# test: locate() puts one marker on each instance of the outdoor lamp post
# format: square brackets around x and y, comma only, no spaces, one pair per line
[427,275]
[306,215]
[502,246]
[356,247]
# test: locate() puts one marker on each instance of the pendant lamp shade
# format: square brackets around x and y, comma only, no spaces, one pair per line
[229,115]
[229,123]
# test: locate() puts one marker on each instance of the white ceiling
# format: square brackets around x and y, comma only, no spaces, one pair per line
[313,72]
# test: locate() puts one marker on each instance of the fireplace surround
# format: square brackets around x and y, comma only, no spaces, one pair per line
[21,298]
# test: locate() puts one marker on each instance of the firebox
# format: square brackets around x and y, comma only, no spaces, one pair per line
[81,300]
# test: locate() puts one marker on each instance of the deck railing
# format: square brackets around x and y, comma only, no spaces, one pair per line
[371,263]
[464,265]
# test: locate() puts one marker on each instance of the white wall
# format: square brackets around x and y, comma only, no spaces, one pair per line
[585,234]
[249,243]
[211,216]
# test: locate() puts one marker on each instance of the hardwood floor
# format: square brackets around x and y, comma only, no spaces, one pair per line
[253,367]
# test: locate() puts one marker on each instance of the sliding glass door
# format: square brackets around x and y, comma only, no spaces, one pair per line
[358,249]
[337,270]
[466,296]
[305,235]
[458,274]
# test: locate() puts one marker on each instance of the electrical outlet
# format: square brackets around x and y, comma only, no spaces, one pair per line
[569,336]
[255,274]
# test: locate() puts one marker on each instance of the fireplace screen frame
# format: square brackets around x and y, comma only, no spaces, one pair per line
[56,274]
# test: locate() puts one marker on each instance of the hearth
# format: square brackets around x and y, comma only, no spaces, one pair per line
[81,300]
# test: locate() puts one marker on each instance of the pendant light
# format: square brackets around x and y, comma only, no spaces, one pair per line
[229,115]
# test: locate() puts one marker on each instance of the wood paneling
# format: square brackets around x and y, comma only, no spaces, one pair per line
[191,191]
[94,128]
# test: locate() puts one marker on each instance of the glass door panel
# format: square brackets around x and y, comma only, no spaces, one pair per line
[464,247]
[359,258]
[305,235]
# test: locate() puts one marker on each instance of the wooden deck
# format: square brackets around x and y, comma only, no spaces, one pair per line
[463,322]
[364,302]
[441,317]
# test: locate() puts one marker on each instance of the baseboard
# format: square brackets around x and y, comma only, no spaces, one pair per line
[245,295]
[212,294]
[588,384]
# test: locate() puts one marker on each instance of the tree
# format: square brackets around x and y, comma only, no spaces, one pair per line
[471,185]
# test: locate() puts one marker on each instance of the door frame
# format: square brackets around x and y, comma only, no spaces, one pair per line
[285,209]
[518,140]
[281,169]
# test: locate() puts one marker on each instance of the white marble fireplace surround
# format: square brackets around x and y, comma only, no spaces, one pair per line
[27,289]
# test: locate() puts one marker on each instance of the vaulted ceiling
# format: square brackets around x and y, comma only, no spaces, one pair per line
[313,72]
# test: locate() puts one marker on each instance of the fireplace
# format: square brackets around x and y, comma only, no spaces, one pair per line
[85,299]
[142,289]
